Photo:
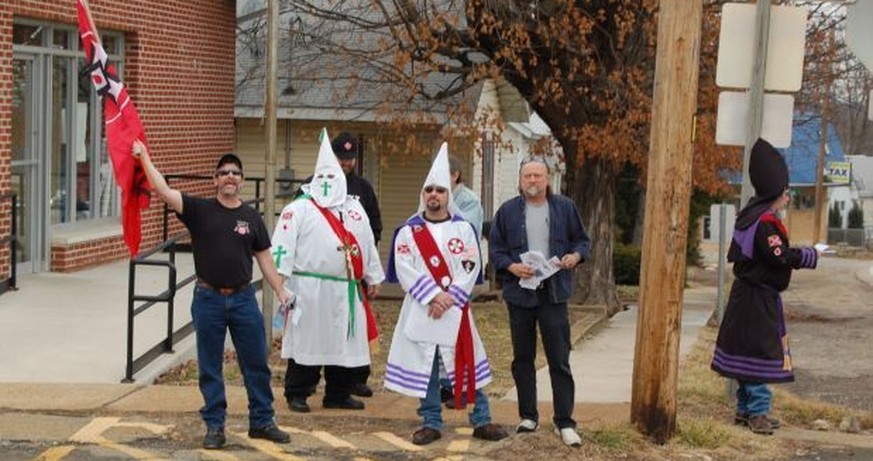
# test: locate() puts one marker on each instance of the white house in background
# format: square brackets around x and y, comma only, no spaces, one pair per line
[843,197]
[496,165]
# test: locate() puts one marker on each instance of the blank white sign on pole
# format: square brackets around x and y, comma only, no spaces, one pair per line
[785,47]
[714,226]
[733,113]
[859,31]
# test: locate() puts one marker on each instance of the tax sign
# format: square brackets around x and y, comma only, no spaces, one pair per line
[838,172]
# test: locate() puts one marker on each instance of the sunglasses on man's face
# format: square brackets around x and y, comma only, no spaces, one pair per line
[437,189]
[224,173]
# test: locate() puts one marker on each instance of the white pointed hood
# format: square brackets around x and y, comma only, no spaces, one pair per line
[439,175]
[328,185]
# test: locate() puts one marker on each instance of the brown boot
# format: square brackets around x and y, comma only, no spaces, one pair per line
[759,424]
[491,432]
[742,419]
[426,435]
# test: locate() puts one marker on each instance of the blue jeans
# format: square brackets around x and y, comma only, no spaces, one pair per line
[213,314]
[753,399]
[431,406]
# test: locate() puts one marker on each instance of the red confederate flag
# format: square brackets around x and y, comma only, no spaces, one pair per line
[123,127]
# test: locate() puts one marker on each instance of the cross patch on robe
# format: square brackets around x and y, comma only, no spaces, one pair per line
[278,253]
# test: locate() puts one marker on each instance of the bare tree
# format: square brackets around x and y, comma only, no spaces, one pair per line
[585,66]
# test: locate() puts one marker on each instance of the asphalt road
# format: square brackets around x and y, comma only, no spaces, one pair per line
[830,329]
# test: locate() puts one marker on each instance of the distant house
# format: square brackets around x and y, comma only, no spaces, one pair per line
[802,158]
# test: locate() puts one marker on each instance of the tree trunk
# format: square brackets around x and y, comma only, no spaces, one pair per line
[592,187]
[640,220]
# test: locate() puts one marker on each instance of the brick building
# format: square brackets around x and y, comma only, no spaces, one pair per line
[177,59]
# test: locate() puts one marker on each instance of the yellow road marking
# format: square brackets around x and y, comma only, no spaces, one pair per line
[397,441]
[91,432]
[154,428]
[332,440]
[461,445]
[55,453]
[134,453]
[217,454]
[268,448]
[293,430]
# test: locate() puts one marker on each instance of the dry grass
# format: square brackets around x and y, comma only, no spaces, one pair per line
[703,393]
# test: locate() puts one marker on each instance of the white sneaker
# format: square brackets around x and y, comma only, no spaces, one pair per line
[526,425]
[569,436]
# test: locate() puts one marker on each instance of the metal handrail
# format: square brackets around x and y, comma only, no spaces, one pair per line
[12,282]
[169,245]
[133,365]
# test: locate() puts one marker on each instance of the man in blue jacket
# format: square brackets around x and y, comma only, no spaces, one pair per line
[540,221]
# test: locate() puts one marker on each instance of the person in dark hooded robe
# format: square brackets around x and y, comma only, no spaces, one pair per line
[752,345]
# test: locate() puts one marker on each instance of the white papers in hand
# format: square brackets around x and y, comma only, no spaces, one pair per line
[543,268]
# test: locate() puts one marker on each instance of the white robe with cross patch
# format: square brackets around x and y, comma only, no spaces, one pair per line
[304,242]
[417,336]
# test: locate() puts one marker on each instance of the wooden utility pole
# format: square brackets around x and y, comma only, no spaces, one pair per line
[820,196]
[824,116]
[668,198]
[270,102]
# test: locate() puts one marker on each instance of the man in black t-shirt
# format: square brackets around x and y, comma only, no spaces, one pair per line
[225,234]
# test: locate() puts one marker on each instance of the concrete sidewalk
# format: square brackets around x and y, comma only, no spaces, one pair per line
[72,328]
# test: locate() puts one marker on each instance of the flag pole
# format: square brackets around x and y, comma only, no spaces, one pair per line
[91,20]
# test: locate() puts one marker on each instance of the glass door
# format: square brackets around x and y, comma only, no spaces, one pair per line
[25,165]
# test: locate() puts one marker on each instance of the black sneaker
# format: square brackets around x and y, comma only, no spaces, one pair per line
[348,403]
[361,390]
[298,404]
[270,432]
[214,439]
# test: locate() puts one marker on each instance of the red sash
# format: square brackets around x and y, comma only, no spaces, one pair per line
[464,357]
[356,261]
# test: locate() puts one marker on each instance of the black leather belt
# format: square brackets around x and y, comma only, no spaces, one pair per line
[224,291]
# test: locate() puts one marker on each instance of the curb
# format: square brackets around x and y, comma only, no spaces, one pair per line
[587,326]
[865,275]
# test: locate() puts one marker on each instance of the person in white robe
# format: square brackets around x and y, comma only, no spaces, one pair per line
[323,244]
[435,257]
